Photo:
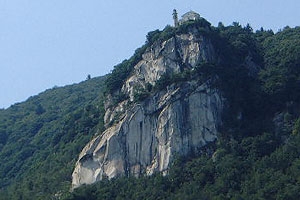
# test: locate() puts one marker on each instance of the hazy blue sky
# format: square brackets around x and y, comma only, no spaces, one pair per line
[46,43]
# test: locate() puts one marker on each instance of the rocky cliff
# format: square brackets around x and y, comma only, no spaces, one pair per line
[144,136]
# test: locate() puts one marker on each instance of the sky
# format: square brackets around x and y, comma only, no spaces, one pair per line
[47,43]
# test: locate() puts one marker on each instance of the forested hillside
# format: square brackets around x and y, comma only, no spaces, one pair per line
[257,153]
[42,137]
[256,156]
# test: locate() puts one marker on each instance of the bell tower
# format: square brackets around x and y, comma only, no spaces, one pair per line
[175,17]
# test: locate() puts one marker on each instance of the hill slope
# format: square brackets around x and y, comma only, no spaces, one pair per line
[41,138]
[257,153]
[255,156]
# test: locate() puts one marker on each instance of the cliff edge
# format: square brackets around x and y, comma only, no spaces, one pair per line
[144,135]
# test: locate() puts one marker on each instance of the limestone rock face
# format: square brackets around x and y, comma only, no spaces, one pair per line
[144,137]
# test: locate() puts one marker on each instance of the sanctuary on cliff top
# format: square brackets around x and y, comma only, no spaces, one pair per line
[189,16]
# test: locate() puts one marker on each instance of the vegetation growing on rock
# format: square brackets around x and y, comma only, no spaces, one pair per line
[256,156]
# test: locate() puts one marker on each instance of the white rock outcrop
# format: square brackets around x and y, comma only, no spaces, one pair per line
[144,137]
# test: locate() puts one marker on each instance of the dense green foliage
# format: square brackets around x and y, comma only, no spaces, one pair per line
[257,155]
[253,168]
[42,137]
[281,76]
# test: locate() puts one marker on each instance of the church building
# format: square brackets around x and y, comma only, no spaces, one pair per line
[189,16]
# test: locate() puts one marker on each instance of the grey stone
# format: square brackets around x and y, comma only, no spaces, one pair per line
[144,137]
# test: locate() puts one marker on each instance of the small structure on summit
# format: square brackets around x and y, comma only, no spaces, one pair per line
[175,17]
[189,16]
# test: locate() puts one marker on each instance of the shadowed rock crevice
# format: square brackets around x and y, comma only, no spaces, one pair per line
[144,137]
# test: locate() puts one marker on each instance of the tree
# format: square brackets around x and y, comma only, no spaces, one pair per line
[88,77]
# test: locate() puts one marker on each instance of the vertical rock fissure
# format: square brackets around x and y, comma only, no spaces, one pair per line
[167,123]
[125,149]
[178,56]
[141,139]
